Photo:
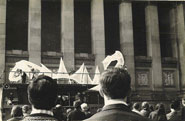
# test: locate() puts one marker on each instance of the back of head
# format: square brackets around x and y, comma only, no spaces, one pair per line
[160,109]
[42,92]
[84,107]
[145,105]
[136,106]
[175,104]
[77,104]
[16,111]
[26,108]
[115,83]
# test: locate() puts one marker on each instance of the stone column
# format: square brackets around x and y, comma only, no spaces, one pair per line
[173,39]
[153,44]
[172,16]
[97,30]
[126,38]
[181,42]
[67,33]
[2,38]
[34,31]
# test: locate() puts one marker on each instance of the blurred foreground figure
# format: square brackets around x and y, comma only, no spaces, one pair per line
[42,94]
[16,114]
[114,88]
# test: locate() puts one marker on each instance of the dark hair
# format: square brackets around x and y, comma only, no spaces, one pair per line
[145,105]
[42,92]
[115,83]
[160,109]
[25,108]
[16,111]
[77,104]
[175,104]
[136,106]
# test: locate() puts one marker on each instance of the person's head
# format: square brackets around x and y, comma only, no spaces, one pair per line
[76,104]
[160,108]
[42,92]
[151,108]
[16,111]
[68,111]
[115,83]
[175,104]
[26,109]
[145,105]
[84,107]
[136,106]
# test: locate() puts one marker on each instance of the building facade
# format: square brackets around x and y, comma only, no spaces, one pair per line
[151,36]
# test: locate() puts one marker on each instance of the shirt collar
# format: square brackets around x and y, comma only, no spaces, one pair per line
[35,111]
[115,101]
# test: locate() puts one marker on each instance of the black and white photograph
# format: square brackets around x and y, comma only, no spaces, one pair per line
[92,60]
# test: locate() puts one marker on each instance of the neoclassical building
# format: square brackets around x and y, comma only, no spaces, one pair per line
[151,36]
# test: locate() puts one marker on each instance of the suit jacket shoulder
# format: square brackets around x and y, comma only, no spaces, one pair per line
[39,117]
[117,112]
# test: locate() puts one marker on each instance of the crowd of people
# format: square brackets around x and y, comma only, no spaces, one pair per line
[159,113]
[114,88]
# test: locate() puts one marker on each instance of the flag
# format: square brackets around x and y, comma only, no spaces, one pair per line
[81,76]
[116,56]
[96,76]
[62,71]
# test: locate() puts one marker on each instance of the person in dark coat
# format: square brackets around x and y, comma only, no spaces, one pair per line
[16,113]
[114,88]
[145,109]
[158,114]
[76,114]
[175,114]
[42,95]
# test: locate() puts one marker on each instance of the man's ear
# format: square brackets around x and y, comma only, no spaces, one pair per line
[101,92]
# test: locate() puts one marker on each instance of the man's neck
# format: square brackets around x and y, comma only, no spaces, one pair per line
[108,101]
[35,111]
